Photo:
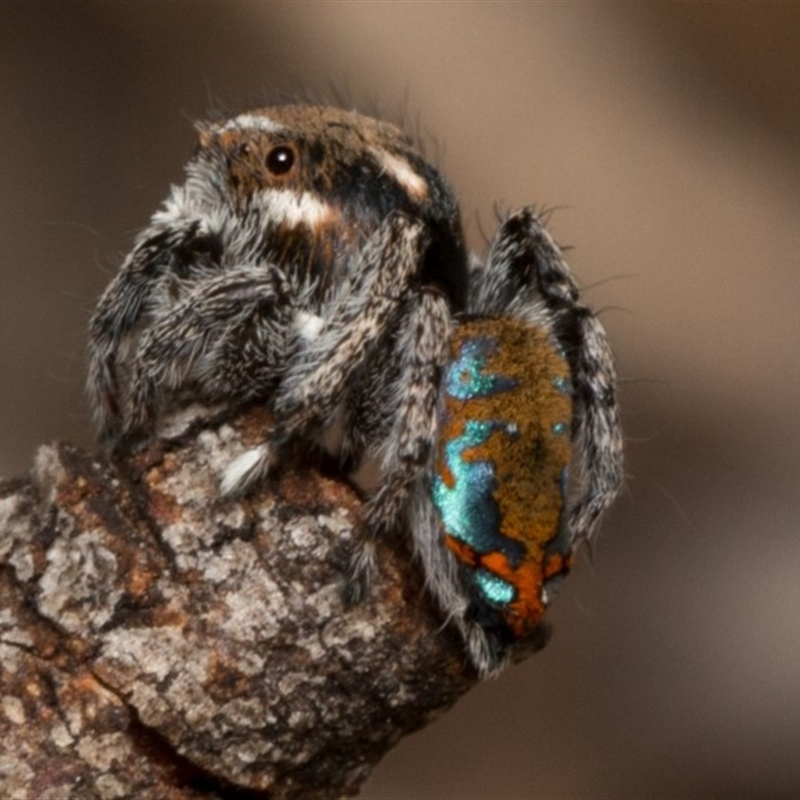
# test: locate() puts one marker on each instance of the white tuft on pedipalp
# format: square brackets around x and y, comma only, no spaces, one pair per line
[308,325]
[245,470]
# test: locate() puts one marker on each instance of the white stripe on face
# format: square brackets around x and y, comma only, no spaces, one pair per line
[286,206]
[256,121]
[402,172]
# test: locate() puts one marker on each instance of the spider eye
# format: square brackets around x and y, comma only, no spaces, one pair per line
[280,160]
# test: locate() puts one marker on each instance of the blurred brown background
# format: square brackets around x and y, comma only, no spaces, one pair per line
[668,135]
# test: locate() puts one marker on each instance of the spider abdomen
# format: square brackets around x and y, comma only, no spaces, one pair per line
[501,474]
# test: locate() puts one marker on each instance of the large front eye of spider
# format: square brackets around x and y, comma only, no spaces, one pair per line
[280,160]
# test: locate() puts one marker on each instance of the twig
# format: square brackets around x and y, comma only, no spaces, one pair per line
[158,641]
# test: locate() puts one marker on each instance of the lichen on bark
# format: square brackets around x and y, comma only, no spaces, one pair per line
[159,640]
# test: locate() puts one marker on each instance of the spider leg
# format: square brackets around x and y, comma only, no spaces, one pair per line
[598,430]
[317,381]
[525,262]
[311,396]
[163,250]
[231,335]
[409,447]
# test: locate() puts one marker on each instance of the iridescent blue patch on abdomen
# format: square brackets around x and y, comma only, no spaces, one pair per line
[497,591]
[468,509]
[466,379]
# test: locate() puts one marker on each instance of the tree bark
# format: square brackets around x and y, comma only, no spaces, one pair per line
[160,641]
